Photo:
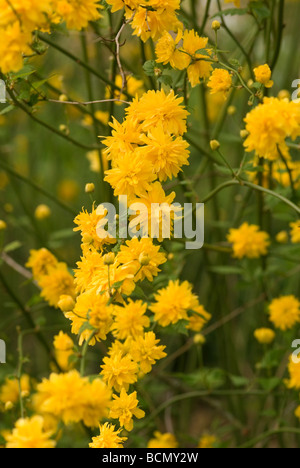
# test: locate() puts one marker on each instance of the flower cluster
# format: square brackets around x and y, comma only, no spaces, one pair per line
[269,125]
[51,276]
[19,19]
[149,18]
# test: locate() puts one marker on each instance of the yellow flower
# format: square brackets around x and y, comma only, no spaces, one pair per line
[198,319]
[236,2]
[166,51]
[3,225]
[42,212]
[32,12]
[173,303]
[63,346]
[87,224]
[9,391]
[199,66]
[67,190]
[284,312]
[160,440]
[155,21]
[41,261]
[57,283]
[220,81]
[168,112]
[248,241]
[207,441]
[264,335]
[96,403]
[295,232]
[132,175]
[14,43]
[29,433]
[263,75]
[77,13]
[92,309]
[145,351]
[269,124]
[131,253]
[166,153]
[130,320]
[119,371]
[282,237]
[108,438]
[125,138]
[155,213]
[294,375]
[124,407]
[73,398]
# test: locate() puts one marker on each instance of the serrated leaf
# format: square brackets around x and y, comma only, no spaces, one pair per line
[231,12]
[149,67]
[260,9]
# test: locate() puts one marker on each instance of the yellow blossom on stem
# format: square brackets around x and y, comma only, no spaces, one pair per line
[29,433]
[284,312]
[263,75]
[124,407]
[119,372]
[220,81]
[166,440]
[108,438]
[248,241]
[146,352]
[130,320]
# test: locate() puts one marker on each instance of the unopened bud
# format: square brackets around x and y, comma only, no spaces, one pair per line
[215,145]
[215,25]
[89,188]
[244,134]
[66,303]
[109,258]
[144,259]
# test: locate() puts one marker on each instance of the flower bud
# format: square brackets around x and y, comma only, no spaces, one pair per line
[244,134]
[109,259]
[3,225]
[66,303]
[89,188]
[42,212]
[215,145]
[144,259]
[215,25]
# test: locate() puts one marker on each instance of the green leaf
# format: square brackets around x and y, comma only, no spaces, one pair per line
[12,246]
[231,12]
[226,270]
[166,80]
[260,10]
[238,380]
[149,67]
[204,378]
[7,109]
[270,383]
